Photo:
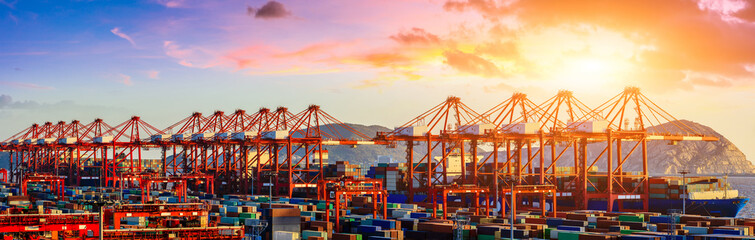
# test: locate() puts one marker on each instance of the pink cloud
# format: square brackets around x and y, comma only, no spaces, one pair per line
[25,85]
[117,32]
[172,3]
[191,56]
[416,36]
[313,49]
[153,74]
[125,79]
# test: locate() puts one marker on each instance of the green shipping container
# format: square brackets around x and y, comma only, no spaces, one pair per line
[485,237]
[630,231]
[568,236]
[631,218]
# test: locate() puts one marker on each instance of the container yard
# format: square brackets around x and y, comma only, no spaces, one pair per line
[43,214]
[267,176]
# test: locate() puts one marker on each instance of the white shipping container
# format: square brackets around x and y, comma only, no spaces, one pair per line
[180,136]
[223,135]
[279,134]
[103,139]
[477,129]
[523,128]
[67,140]
[591,126]
[202,136]
[412,131]
[243,135]
[160,137]
[281,235]
[45,140]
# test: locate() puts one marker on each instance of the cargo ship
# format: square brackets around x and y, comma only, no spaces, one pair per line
[708,195]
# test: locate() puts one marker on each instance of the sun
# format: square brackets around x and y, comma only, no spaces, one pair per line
[588,72]
[589,66]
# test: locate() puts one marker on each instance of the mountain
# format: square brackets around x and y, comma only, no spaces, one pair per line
[697,157]
[361,154]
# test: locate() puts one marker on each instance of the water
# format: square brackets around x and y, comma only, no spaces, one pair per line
[746,187]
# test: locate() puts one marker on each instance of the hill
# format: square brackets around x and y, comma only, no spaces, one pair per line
[697,157]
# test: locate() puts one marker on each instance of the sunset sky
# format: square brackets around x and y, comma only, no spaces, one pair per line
[370,62]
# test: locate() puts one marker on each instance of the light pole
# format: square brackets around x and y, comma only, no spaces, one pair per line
[686,193]
[511,181]
[513,214]
[270,187]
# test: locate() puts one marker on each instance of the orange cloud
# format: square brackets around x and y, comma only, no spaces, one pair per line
[472,64]
[416,36]
[712,37]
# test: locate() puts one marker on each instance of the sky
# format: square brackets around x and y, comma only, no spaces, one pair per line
[370,62]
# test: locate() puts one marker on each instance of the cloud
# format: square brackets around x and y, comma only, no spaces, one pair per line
[11,5]
[416,36]
[172,3]
[117,32]
[488,8]
[710,80]
[25,85]
[747,13]
[13,18]
[125,79]
[707,36]
[250,10]
[499,49]
[6,102]
[270,10]
[472,64]
[153,74]
[195,57]
[310,50]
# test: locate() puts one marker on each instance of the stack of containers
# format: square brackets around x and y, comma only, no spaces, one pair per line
[284,235]
[134,222]
[391,173]
[314,235]
[281,219]
[386,229]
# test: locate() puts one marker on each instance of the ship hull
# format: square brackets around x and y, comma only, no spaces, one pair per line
[708,207]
